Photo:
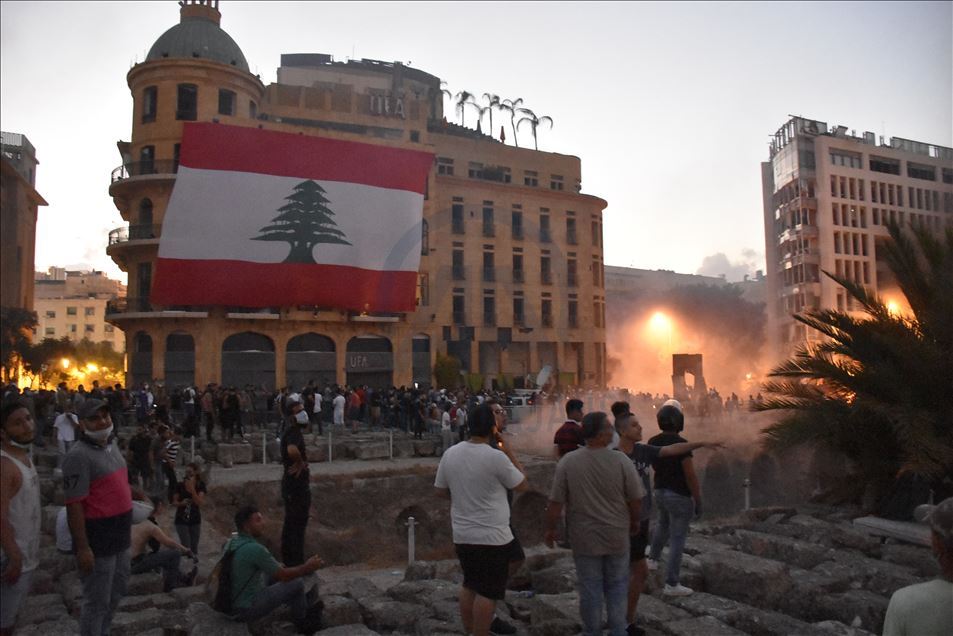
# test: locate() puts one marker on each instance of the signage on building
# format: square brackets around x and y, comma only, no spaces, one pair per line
[387,106]
[369,361]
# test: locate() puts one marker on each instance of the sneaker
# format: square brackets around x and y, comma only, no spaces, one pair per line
[652,564]
[677,590]
[500,626]
[634,630]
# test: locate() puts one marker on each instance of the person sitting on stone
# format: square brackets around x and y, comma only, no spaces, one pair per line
[148,553]
[260,584]
[925,609]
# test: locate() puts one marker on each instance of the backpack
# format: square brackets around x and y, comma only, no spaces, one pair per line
[224,601]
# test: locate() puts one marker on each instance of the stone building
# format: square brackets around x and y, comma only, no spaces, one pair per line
[73,304]
[828,196]
[19,203]
[510,278]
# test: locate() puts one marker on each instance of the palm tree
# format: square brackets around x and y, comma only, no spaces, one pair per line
[463,98]
[512,106]
[530,117]
[445,92]
[877,390]
[492,101]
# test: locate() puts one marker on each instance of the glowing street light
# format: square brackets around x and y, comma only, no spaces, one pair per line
[662,325]
[65,363]
[893,307]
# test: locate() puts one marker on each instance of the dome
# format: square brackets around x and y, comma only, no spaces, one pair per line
[198,36]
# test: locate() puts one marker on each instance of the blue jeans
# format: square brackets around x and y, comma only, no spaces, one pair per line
[168,560]
[675,511]
[602,578]
[103,588]
[290,593]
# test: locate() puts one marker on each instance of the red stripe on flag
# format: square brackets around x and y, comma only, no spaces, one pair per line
[238,283]
[236,148]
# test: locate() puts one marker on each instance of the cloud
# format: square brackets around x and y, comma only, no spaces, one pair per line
[719,264]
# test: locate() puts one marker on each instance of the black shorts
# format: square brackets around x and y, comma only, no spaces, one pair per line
[485,568]
[516,552]
[637,542]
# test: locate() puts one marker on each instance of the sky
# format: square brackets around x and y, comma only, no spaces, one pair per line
[669,105]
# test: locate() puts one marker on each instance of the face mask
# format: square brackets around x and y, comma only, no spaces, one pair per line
[100,436]
[20,445]
[301,417]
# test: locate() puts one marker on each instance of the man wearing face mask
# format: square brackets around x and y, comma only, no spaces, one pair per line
[19,512]
[295,485]
[99,511]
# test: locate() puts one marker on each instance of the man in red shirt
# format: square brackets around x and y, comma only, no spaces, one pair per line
[569,436]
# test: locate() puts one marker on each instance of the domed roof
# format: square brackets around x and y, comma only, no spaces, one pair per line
[201,38]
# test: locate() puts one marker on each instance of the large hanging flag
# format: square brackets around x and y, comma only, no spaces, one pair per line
[261,218]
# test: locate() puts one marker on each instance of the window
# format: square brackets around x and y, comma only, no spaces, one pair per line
[544,235]
[423,290]
[489,272]
[445,166]
[517,268]
[459,310]
[415,136]
[573,314]
[545,273]
[885,165]
[90,311]
[571,231]
[252,109]
[71,311]
[571,273]
[547,312]
[488,229]
[947,175]
[51,331]
[595,234]
[596,272]
[147,156]
[108,328]
[919,171]
[90,328]
[72,328]
[531,178]
[556,182]
[50,314]
[517,225]
[475,170]
[489,311]
[150,95]
[187,102]
[226,102]
[457,218]
[845,158]
[519,315]
[458,264]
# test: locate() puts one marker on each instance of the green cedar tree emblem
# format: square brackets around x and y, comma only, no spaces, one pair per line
[304,222]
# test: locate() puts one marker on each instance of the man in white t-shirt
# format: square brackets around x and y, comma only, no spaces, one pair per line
[65,425]
[475,477]
[338,402]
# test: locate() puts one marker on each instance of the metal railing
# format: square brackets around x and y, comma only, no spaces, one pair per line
[128,305]
[134,233]
[143,168]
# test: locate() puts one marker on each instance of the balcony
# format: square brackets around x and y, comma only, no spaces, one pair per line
[144,169]
[132,307]
[134,233]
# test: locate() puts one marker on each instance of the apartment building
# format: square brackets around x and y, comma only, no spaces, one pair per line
[18,214]
[73,304]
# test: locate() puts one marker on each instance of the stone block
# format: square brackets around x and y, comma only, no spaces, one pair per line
[556,579]
[921,560]
[446,610]
[798,553]
[702,626]
[55,562]
[698,544]
[746,578]
[860,608]
[655,613]
[424,448]
[449,570]
[384,614]
[43,582]
[357,629]
[42,608]
[837,628]
[340,610]
[129,623]
[555,627]
[548,607]
[875,575]
[144,584]
[201,620]
[63,627]
[845,536]
[137,603]
[229,454]
[700,604]
[425,592]
[372,451]
[356,589]
[273,450]
[420,571]
[438,627]
[185,596]
[403,448]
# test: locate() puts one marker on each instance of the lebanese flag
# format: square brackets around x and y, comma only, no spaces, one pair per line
[260,218]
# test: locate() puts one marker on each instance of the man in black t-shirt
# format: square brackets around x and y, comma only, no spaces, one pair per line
[295,485]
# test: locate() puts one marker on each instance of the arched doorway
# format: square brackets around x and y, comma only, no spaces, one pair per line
[248,358]
[422,371]
[179,360]
[310,356]
[370,361]
[140,360]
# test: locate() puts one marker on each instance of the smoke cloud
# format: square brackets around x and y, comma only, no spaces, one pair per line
[719,264]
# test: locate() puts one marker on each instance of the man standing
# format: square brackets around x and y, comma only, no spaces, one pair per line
[295,485]
[569,436]
[99,511]
[602,494]
[475,477]
[642,455]
[65,425]
[338,404]
[253,568]
[924,609]
[19,512]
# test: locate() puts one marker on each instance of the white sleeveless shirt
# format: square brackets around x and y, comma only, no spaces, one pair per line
[25,514]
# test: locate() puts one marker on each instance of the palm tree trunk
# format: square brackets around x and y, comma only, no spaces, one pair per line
[513,124]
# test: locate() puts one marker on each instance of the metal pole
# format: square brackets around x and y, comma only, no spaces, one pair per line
[391,432]
[330,445]
[264,448]
[747,485]
[411,547]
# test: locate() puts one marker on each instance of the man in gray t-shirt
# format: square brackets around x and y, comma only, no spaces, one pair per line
[602,494]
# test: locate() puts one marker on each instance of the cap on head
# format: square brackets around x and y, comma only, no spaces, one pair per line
[90,408]
[670,418]
[938,517]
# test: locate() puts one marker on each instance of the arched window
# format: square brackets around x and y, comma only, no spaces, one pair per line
[150,95]
[187,102]
[144,227]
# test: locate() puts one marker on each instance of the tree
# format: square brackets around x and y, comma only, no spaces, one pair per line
[446,371]
[512,106]
[304,222]
[17,326]
[534,122]
[492,101]
[463,98]
[876,390]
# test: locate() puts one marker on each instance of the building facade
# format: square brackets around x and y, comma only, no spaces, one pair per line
[73,304]
[510,278]
[828,196]
[19,203]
